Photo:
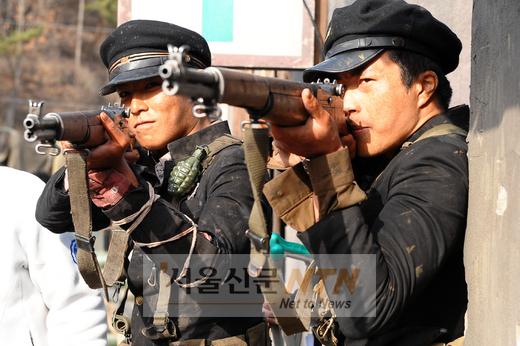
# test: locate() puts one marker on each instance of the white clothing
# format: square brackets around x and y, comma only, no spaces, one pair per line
[43,298]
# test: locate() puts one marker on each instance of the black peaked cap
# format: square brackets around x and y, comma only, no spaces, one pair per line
[135,50]
[360,32]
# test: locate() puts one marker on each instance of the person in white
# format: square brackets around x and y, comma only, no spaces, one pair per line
[44,300]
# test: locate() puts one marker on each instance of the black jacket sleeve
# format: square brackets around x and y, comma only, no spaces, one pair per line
[53,208]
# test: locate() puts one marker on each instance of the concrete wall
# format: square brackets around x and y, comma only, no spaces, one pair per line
[492,248]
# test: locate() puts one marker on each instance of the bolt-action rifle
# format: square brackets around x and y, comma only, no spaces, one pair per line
[275,100]
[83,128]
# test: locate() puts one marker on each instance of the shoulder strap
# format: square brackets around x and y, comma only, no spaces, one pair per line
[217,146]
[256,150]
[113,272]
[186,173]
[438,130]
[81,216]
[118,249]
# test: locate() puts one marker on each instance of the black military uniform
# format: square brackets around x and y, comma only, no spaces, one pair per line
[413,217]
[218,203]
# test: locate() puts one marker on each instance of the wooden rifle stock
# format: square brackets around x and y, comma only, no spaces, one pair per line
[278,100]
[275,100]
[82,128]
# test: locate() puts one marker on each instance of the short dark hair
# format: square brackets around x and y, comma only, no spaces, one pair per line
[413,64]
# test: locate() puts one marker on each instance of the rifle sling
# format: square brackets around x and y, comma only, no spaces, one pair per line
[256,150]
[114,269]
[81,216]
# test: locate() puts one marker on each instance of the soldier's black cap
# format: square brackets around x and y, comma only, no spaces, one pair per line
[135,50]
[360,32]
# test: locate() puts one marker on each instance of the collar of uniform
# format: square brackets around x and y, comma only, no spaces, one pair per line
[184,147]
[458,116]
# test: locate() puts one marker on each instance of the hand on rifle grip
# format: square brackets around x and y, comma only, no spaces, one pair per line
[117,152]
[318,136]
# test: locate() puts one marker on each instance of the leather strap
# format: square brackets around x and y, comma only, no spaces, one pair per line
[81,216]
[114,269]
[256,150]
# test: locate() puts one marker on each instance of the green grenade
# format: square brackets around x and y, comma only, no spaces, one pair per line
[186,173]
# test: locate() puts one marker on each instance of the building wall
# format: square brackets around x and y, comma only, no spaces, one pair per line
[492,256]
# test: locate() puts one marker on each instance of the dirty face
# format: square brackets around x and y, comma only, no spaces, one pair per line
[156,119]
[381,110]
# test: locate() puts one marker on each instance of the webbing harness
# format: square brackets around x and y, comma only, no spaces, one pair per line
[113,273]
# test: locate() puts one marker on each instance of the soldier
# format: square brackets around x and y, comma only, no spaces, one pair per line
[166,209]
[392,58]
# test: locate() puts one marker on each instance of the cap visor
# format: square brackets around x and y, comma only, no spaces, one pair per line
[342,62]
[129,76]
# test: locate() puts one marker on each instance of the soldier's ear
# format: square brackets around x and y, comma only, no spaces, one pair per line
[426,84]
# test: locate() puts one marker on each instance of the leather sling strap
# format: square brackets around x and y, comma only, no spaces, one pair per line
[114,269]
[256,150]
[81,216]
